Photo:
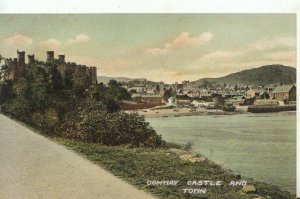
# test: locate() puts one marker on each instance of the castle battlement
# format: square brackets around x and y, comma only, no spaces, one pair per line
[66,69]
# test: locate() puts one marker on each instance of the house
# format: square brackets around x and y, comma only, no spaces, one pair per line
[137,89]
[236,100]
[150,92]
[286,92]
[257,93]
[151,98]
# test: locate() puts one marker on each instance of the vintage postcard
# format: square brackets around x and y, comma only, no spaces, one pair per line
[148,105]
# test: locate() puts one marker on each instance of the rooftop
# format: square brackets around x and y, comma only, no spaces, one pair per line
[283,89]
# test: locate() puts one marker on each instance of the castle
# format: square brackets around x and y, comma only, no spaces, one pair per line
[66,69]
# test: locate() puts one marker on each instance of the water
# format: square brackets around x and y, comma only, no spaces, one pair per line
[260,146]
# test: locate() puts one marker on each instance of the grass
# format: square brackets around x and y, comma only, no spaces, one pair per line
[138,165]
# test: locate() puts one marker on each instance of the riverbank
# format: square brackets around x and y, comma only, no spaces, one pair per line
[139,166]
[178,112]
[260,145]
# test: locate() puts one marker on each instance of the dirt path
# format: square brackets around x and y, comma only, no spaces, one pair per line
[33,167]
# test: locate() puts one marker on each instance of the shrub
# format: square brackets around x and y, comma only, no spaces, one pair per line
[96,124]
[132,129]
[111,105]
[19,109]
[188,146]
[46,121]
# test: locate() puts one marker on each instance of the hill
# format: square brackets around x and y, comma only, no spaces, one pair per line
[269,74]
[105,79]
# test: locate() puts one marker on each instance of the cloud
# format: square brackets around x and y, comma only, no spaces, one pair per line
[289,57]
[183,40]
[263,50]
[18,39]
[272,43]
[105,66]
[50,44]
[80,38]
[220,55]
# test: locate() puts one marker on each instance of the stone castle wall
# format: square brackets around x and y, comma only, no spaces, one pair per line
[66,69]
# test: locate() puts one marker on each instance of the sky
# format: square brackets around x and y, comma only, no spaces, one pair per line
[159,47]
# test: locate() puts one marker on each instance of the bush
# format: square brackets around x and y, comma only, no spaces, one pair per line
[132,129]
[18,109]
[188,146]
[46,121]
[111,105]
[96,124]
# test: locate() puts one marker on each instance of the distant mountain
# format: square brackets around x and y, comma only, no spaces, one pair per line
[106,79]
[268,74]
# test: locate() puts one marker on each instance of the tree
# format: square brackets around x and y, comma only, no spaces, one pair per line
[116,91]
[21,88]
[54,76]
[112,106]
[113,83]
[5,71]
[19,106]
[80,83]
[166,94]
[6,91]
[236,87]
[98,92]
[39,86]
[6,85]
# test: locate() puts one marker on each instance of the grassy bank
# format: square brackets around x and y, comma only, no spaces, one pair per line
[138,165]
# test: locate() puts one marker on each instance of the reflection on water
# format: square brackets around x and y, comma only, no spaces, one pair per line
[261,146]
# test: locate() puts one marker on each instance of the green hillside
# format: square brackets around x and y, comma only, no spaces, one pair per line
[268,74]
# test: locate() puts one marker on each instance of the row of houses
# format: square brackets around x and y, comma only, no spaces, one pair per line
[285,92]
[190,89]
[252,96]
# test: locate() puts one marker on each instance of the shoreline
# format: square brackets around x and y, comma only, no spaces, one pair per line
[170,135]
[189,157]
[161,113]
[185,160]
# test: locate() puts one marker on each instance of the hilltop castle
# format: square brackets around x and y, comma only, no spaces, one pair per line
[66,69]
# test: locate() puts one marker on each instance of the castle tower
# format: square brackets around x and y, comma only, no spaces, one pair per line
[61,58]
[62,67]
[21,57]
[94,75]
[50,55]
[30,59]
[20,66]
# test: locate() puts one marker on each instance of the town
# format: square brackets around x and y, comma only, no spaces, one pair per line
[159,95]
[229,98]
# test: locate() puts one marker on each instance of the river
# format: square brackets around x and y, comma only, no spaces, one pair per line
[260,146]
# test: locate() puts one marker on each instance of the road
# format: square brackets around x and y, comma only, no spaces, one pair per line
[34,167]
